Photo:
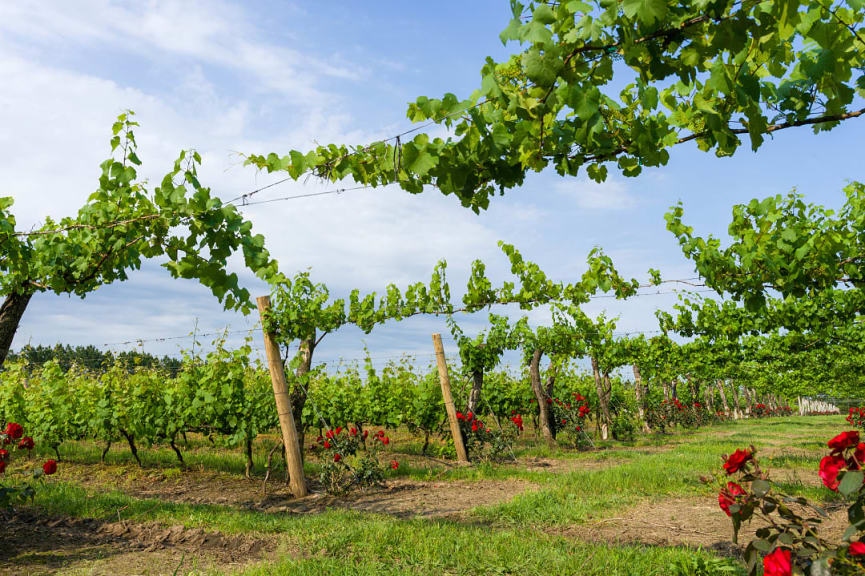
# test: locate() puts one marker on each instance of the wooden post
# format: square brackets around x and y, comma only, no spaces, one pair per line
[445,382]
[293,456]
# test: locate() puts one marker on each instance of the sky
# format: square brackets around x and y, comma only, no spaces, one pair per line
[233,78]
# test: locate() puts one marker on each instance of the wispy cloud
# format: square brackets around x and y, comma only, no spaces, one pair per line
[613,194]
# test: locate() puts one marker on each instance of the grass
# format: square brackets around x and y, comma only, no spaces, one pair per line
[510,538]
[341,542]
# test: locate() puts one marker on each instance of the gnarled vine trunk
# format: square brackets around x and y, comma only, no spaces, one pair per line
[709,398]
[540,396]
[475,393]
[551,384]
[602,388]
[723,394]
[11,311]
[693,388]
[298,395]
[642,395]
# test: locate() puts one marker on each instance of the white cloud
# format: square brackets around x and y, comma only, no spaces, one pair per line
[56,121]
[610,195]
[206,32]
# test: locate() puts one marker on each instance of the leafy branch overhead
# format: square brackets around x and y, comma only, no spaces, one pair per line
[600,82]
[303,309]
[119,227]
[781,243]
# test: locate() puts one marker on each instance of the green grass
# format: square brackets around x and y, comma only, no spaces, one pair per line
[342,542]
[515,537]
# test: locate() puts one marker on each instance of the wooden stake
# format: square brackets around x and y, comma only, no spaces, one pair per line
[445,382]
[294,459]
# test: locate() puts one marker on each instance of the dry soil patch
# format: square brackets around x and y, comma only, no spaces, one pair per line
[36,544]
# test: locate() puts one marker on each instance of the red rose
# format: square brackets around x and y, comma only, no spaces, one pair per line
[337,457]
[578,428]
[844,440]
[469,416]
[474,427]
[385,440]
[4,456]
[26,443]
[777,563]
[50,467]
[353,431]
[727,496]
[365,434]
[394,464]
[2,467]
[736,461]
[830,466]
[549,400]
[14,430]
[339,429]
[856,549]
[460,416]
[329,433]
[327,444]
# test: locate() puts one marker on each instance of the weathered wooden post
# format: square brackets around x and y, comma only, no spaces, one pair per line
[445,382]
[293,456]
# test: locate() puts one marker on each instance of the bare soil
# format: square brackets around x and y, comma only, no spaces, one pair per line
[410,498]
[695,522]
[399,497]
[39,544]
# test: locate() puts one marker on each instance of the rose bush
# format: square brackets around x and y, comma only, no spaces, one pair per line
[856,417]
[484,443]
[347,461]
[790,544]
[17,485]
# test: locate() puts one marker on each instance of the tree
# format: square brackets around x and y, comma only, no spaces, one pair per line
[119,227]
[600,82]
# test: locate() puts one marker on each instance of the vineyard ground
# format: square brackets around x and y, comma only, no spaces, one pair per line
[637,509]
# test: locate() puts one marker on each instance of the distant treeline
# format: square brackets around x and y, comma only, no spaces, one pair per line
[92,358]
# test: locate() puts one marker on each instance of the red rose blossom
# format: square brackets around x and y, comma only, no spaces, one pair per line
[394,464]
[337,457]
[830,466]
[26,443]
[14,430]
[777,563]
[727,496]
[856,549]
[50,467]
[2,467]
[844,440]
[736,461]
[385,440]
[4,455]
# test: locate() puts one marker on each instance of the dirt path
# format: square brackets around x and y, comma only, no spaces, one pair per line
[36,545]
[681,522]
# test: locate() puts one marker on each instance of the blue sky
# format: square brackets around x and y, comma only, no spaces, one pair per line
[229,78]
